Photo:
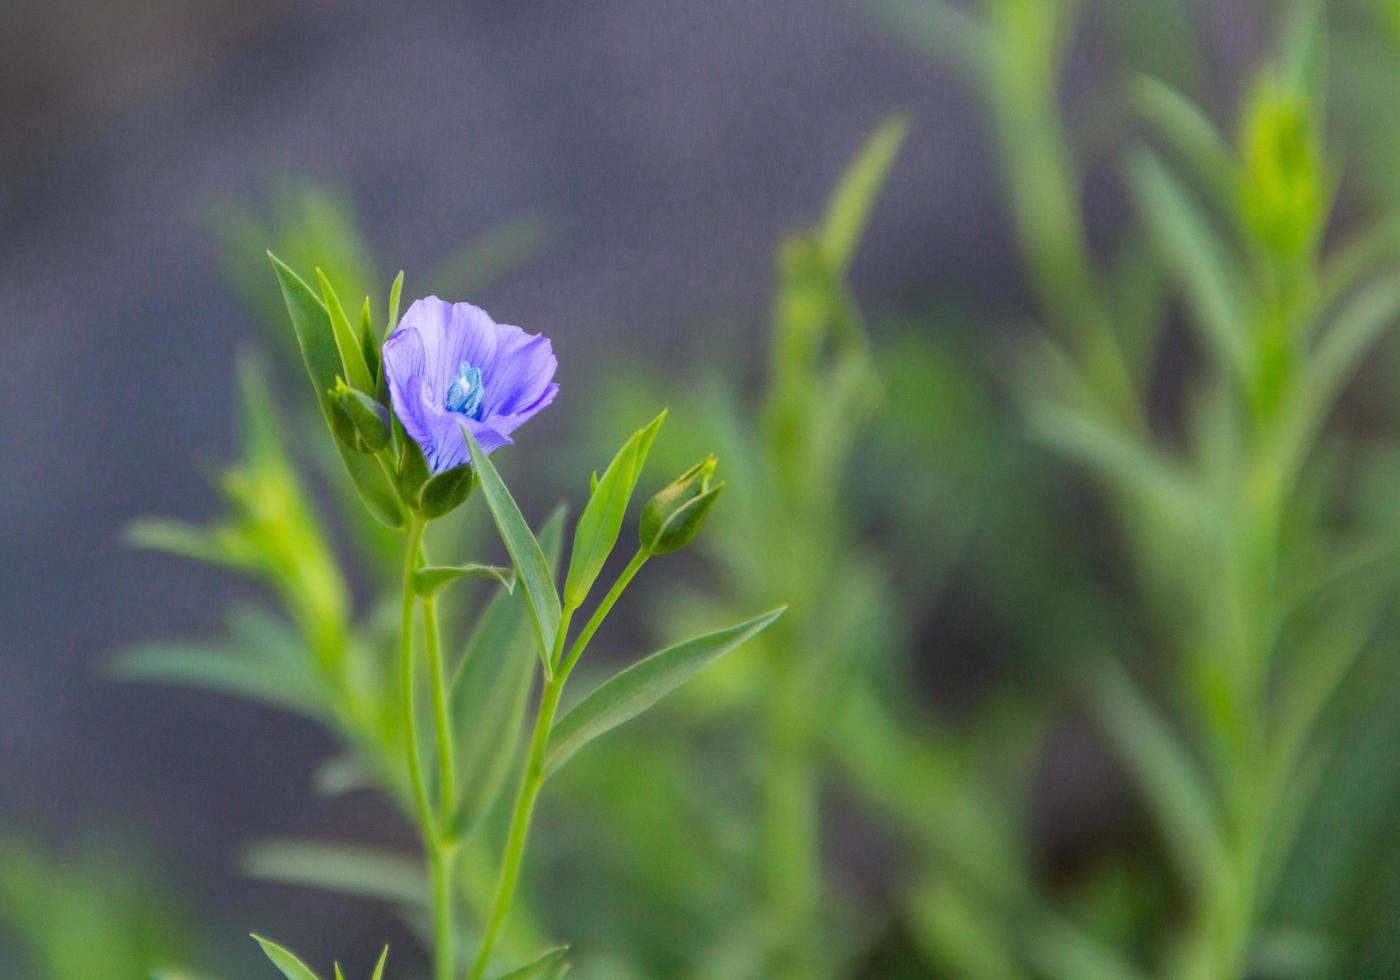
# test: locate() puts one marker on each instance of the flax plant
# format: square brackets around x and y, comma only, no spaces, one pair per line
[414,421]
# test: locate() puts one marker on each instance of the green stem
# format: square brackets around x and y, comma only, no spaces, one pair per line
[599,614]
[533,777]
[792,875]
[530,785]
[415,763]
[440,862]
[447,779]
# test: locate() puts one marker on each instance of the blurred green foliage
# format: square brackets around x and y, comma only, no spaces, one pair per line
[1165,512]
[95,912]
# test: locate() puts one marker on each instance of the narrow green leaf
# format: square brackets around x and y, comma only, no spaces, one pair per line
[285,960]
[1352,334]
[537,966]
[1204,268]
[369,340]
[346,869]
[938,30]
[627,694]
[212,668]
[339,974]
[347,341]
[322,358]
[524,550]
[601,520]
[379,967]
[1194,137]
[848,211]
[490,690]
[341,774]
[395,293]
[178,538]
[1170,781]
[489,255]
[430,579]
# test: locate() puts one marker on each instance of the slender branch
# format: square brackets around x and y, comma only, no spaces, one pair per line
[530,784]
[415,762]
[604,607]
[442,717]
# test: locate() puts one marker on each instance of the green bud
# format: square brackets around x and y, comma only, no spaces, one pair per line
[673,517]
[413,470]
[445,491]
[369,419]
[1284,191]
[341,425]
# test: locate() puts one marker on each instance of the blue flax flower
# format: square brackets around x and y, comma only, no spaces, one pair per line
[450,364]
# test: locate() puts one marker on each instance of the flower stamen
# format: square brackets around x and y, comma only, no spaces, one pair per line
[465,392]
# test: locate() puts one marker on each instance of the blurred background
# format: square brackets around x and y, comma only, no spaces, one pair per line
[619,177]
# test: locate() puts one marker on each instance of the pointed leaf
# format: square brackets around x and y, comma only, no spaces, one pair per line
[537,967]
[1205,270]
[1194,136]
[285,960]
[339,974]
[490,689]
[626,695]
[601,520]
[379,967]
[347,341]
[212,668]
[848,212]
[430,579]
[347,869]
[369,340]
[1170,781]
[524,550]
[322,358]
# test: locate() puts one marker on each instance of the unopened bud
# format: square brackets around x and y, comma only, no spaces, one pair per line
[672,518]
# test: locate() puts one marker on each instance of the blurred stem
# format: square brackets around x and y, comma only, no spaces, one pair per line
[791,842]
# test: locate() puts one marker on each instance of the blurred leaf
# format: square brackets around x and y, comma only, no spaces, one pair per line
[285,960]
[537,967]
[322,357]
[379,966]
[341,774]
[430,579]
[180,538]
[1172,784]
[346,869]
[213,668]
[1204,268]
[489,690]
[1194,136]
[489,255]
[524,551]
[601,520]
[848,211]
[938,30]
[627,694]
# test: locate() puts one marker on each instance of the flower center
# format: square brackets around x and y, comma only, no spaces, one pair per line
[465,392]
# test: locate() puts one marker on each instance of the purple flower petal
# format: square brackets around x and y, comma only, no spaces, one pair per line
[428,350]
